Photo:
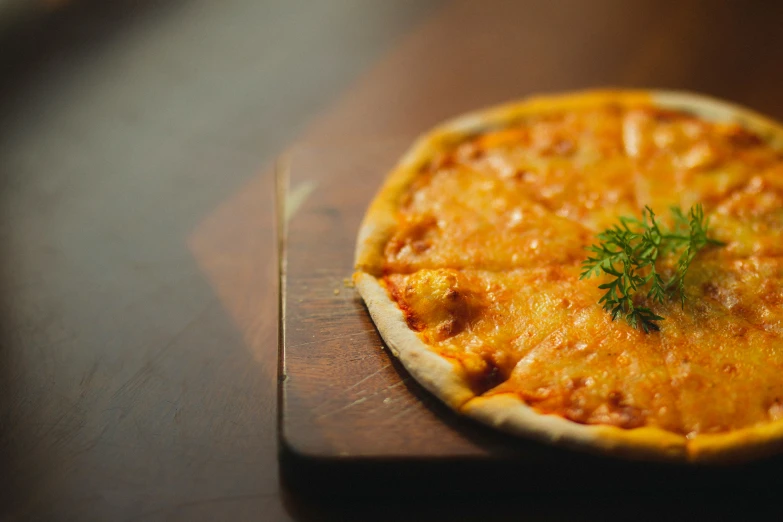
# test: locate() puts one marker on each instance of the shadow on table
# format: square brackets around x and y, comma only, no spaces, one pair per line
[537,507]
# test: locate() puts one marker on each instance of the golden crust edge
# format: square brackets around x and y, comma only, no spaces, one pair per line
[717,110]
[739,445]
[436,374]
[508,412]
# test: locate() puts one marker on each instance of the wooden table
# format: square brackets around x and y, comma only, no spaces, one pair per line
[138,310]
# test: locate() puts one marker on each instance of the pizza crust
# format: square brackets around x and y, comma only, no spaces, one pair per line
[507,412]
[439,376]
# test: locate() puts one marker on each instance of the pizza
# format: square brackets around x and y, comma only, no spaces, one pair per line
[470,257]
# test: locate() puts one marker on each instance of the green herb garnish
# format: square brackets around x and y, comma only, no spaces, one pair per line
[629,251]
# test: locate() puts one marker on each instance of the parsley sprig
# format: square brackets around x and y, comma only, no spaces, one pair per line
[629,252]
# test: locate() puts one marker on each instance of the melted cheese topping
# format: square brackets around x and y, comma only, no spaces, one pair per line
[484,263]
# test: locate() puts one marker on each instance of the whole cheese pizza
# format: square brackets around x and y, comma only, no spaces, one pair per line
[600,270]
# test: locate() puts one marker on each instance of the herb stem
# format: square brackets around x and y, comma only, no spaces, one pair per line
[629,251]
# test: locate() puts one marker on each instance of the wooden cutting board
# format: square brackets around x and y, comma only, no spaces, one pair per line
[351,420]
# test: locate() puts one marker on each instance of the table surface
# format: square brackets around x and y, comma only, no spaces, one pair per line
[138,312]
